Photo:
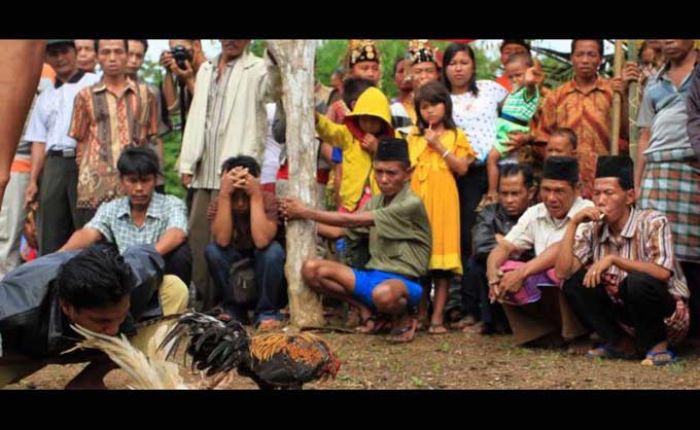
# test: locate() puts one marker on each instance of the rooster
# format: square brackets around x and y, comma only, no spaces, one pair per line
[272,361]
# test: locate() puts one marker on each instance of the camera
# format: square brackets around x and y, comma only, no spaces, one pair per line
[180,54]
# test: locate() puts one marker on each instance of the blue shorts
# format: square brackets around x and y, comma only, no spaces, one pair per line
[367,280]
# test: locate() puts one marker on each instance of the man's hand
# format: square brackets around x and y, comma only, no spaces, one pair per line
[517,140]
[292,208]
[369,143]
[251,185]
[596,271]
[630,72]
[186,180]
[494,281]
[226,183]
[587,215]
[212,209]
[511,282]
[168,61]
[30,194]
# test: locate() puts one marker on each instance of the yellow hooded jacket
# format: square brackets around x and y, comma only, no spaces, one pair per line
[357,163]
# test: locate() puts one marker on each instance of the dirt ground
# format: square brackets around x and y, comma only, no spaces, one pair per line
[453,361]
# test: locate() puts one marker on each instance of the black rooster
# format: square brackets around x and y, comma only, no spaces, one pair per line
[271,360]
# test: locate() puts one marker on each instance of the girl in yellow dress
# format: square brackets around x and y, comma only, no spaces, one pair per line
[439,151]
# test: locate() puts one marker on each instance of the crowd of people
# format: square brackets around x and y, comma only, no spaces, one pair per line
[461,204]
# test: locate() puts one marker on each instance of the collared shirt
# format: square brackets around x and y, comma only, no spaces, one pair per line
[588,115]
[537,229]
[113,220]
[646,237]
[51,116]
[207,175]
[664,111]
[103,124]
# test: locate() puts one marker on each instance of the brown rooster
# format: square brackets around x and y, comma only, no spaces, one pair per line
[271,360]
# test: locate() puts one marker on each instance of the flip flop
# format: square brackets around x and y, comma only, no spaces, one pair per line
[660,358]
[605,351]
[398,333]
[437,329]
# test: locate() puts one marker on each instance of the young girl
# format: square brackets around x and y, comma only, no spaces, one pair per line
[439,151]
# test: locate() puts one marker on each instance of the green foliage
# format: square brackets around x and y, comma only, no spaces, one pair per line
[171,148]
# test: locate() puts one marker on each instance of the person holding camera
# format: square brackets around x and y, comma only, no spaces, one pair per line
[247,238]
[181,65]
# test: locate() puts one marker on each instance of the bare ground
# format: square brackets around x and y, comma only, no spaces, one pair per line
[454,361]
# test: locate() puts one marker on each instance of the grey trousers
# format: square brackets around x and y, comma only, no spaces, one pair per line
[58,192]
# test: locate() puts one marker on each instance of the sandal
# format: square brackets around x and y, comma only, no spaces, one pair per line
[463,323]
[404,334]
[437,329]
[606,351]
[660,358]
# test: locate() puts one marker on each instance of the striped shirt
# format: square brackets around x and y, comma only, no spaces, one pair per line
[103,124]
[113,220]
[646,237]
[207,176]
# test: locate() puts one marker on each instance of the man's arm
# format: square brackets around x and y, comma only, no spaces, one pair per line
[643,144]
[329,232]
[222,226]
[19,76]
[293,208]
[171,239]
[81,239]
[567,263]
[38,157]
[651,269]
[496,258]
[693,108]
[262,228]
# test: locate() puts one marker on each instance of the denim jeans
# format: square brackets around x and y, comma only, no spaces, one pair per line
[270,282]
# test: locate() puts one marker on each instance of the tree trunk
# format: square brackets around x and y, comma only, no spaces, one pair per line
[296,62]
[634,100]
[617,102]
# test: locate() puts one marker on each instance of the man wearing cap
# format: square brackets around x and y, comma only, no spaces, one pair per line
[538,317]
[424,63]
[54,172]
[621,270]
[396,229]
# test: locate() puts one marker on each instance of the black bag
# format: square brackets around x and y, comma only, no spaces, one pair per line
[242,280]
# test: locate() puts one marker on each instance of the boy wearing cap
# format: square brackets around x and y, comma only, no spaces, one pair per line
[621,270]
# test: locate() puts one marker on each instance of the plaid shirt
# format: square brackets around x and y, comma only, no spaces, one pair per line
[519,106]
[646,237]
[113,220]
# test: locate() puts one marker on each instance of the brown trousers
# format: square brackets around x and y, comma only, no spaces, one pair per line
[552,314]
[199,237]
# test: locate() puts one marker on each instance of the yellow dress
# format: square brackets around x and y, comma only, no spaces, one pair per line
[435,184]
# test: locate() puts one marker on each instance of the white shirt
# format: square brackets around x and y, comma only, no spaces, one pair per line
[51,117]
[536,228]
[271,157]
[476,116]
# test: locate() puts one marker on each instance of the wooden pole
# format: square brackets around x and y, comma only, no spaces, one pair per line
[617,102]
[295,59]
[634,100]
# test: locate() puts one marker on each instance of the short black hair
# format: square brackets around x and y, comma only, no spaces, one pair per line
[97,45]
[243,161]
[521,56]
[144,42]
[353,88]
[520,42]
[95,278]
[138,160]
[510,170]
[568,133]
[598,41]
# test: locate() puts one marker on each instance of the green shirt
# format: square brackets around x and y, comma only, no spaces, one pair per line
[400,240]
